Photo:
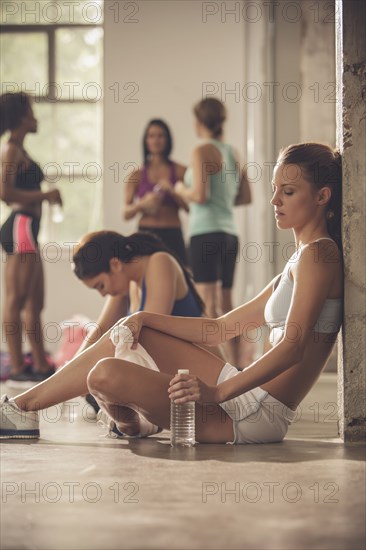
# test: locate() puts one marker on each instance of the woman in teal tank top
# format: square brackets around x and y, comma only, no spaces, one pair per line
[214,184]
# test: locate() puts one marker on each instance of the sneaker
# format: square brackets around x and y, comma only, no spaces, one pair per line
[15,423]
[104,420]
[38,376]
[146,427]
[24,376]
[90,399]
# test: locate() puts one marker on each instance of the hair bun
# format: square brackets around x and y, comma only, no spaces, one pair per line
[337,156]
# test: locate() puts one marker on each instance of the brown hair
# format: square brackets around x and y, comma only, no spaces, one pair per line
[93,254]
[13,107]
[322,167]
[211,113]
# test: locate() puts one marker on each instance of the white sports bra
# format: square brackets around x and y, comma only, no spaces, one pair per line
[278,305]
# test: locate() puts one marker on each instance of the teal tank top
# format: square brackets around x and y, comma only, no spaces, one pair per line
[217,213]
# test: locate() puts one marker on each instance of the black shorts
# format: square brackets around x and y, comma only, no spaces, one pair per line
[172,237]
[213,258]
[19,233]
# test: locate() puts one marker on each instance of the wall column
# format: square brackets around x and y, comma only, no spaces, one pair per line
[351,121]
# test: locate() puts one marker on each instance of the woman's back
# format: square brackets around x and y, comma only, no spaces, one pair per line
[216,214]
[183,301]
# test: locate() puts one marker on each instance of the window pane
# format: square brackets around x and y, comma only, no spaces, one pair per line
[68,138]
[39,12]
[24,62]
[78,62]
[82,206]
[40,146]
[4,212]
[77,136]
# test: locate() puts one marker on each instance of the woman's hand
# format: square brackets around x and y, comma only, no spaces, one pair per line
[54,196]
[164,185]
[180,189]
[151,203]
[187,387]
[134,322]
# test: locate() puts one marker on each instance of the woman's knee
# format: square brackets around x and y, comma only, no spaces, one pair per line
[100,376]
[32,311]
[15,301]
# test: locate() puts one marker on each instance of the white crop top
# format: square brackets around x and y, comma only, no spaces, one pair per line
[278,305]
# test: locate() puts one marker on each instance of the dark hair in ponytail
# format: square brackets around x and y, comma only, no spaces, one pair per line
[322,167]
[13,107]
[94,252]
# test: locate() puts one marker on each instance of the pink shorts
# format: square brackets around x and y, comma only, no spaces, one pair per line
[19,233]
[257,416]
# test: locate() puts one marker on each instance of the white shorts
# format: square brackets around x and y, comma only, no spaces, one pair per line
[257,416]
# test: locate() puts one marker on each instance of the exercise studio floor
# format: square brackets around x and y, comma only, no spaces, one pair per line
[75,489]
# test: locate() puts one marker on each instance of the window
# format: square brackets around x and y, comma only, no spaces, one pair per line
[53,50]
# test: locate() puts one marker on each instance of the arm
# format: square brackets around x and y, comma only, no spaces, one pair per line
[148,204]
[181,202]
[202,168]
[313,280]
[10,161]
[169,188]
[313,276]
[202,330]
[114,309]
[131,208]
[244,195]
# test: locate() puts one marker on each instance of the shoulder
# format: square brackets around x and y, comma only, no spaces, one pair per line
[161,264]
[321,261]
[179,170]
[205,151]
[324,252]
[11,153]
[135,177]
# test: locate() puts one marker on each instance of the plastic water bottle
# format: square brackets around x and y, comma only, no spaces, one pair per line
[57,214]
[182,422]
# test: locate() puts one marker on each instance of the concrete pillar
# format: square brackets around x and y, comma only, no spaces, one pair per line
[351,120]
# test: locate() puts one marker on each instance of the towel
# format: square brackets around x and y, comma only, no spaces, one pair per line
[122,338]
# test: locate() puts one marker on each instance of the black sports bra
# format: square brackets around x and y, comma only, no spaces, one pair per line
[29,178]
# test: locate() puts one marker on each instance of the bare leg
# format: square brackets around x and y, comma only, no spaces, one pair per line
[19,271]
[68,382]
[209,293]
[117,382]
[32,314]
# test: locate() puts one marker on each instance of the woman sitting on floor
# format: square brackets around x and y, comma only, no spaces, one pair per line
[302,307]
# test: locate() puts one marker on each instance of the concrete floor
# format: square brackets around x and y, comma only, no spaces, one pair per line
[75,489]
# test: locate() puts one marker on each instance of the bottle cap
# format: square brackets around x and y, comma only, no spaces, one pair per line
[183,371]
